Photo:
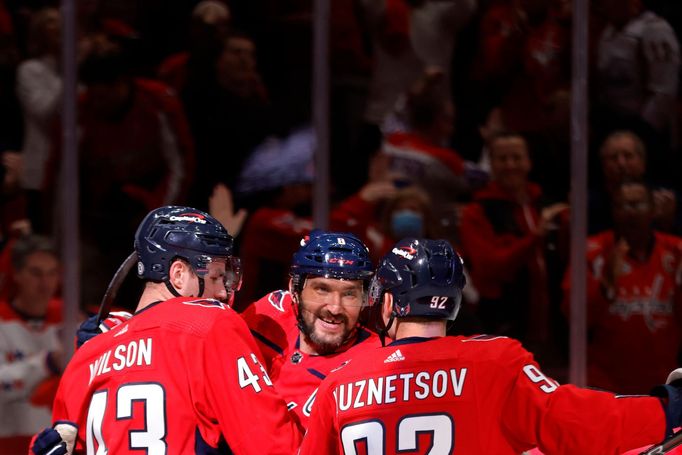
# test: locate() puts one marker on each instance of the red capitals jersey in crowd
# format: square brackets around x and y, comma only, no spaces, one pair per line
[296,375]
[179,377]
[468,396]
[636,331]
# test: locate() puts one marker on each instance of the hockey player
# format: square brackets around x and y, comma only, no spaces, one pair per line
[329,280]
[313,327]
[482,394]
[181,375]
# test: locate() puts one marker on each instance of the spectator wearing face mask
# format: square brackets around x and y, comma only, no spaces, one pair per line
[383,212]
[408,214]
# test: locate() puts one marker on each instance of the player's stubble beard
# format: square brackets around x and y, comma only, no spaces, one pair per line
[323,344]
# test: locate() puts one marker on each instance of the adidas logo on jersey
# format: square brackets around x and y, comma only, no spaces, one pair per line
[397,356]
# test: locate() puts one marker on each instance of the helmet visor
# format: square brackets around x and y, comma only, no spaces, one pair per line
[232,275]
[322,291]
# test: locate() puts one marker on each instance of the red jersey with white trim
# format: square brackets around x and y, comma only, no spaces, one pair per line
[179,377]
[636,332]
[468,396]
[296,375]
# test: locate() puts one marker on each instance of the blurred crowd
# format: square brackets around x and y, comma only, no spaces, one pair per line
[449,119]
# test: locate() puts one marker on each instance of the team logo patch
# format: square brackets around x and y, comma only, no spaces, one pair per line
[276,299]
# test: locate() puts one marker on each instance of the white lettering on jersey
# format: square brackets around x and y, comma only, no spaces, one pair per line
[386,390]
[535,375]
[135,353]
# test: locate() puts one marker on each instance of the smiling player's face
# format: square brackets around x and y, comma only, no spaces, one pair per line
[329,311]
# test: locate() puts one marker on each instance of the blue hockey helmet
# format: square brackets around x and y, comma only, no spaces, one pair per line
[425,278]
[337,255]
[175,232]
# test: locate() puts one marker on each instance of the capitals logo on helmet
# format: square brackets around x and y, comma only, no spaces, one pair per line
[425,278]
[337,255]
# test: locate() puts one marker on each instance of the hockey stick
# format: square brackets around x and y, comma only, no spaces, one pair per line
[666,445]
[115,285]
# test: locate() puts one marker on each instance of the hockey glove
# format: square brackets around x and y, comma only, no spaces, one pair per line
[59,440]
[90,329]
[671,397]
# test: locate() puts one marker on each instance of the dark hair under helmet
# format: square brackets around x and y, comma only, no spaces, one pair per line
[425,278]
[172,232]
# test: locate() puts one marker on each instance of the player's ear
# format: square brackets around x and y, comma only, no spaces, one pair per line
[292,291]
[387,306]
[176,274]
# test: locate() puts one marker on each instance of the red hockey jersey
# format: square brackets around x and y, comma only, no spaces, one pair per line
[636,332]
[179,377]
[468,396]
[296,375]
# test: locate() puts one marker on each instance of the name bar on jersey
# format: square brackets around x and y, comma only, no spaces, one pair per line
[386,389]
[136,352]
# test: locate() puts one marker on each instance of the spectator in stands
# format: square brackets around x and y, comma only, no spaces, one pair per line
[384,211]
[136,153]
[420,155]
[277,180]
[503,234]
[208,25]
[30,354]
[522,67]
[13,220]
[624,157]
[408,37]
[228,110]
[634,299]
[638,62]
[39,89]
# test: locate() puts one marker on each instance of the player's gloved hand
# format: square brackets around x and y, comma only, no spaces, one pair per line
[90,329]
[59,440]
[671,398]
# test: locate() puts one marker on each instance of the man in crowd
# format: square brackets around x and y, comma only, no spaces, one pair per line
[30,353]
[481,394]
[634,300]
[190,359]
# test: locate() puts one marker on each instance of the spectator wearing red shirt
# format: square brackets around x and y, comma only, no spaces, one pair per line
[502,235]
[135,153]
[634,298]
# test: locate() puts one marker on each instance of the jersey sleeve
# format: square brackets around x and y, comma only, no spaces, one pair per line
[252,417]
[565,419]
[321,436]
[264,319]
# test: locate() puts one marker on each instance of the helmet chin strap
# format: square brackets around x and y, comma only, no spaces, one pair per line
[175,292]
[171,289]
[383,329]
